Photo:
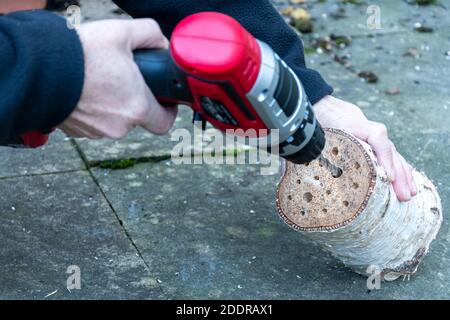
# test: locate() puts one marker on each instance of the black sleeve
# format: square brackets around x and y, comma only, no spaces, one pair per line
[41,71]
[257,16]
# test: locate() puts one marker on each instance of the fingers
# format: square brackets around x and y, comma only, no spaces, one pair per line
[158,120]
[397,169]
[383,147]
[409,175]
[400,184]
[146,33]
[335,113]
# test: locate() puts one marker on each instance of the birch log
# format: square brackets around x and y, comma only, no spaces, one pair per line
[357,216]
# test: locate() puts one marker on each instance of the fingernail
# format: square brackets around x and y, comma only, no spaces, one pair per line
[415,190]
[390,174]
[405,197]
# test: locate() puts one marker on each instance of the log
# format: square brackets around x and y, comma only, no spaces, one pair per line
[357,216]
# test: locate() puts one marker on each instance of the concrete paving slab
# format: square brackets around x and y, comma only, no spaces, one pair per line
[58,155]
[373,101]
[423,99]
[340,17]
[49,223]
[138,143]
[422,105]
[213,232]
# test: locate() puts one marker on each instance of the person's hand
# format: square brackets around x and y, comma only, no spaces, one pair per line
[115,98]
[335,113]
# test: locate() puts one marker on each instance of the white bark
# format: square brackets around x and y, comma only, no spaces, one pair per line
[357,217]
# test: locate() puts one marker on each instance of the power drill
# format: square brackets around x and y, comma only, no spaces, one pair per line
[231,80]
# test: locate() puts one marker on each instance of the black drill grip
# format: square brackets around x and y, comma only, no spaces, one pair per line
[164,78]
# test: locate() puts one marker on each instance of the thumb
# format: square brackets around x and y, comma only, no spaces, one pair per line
[146,34]
[383,147]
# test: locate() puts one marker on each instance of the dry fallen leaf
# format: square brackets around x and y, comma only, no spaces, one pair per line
[423,28]
[393,91]
[368,76]
[287,11]
[298,1]
[301,14]
[412,52]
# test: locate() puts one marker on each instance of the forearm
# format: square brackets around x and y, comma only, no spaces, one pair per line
[41,72]
[257,16]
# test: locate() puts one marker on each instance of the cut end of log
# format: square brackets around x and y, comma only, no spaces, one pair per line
[310,197]
[356,215]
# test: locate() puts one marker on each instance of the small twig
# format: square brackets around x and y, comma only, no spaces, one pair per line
[50,294]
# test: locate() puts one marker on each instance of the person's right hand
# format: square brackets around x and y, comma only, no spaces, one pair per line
[115,97]
[335,113]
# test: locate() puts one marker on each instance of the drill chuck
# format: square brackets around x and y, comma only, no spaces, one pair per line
[281,101]
[311,150]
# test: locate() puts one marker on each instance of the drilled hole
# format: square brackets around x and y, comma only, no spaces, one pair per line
[357,165]
[324,210]
[335,151]
[289,197]
[317,178]
[435,211]
[307,164]
[308,197]
[299,181]
[345,203]
[303,212]
[338,173]
[355,185]
[328,192]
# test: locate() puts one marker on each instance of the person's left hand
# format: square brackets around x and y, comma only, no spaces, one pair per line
[335,113]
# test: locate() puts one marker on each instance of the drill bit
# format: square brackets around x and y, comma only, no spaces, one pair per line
[335,171]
